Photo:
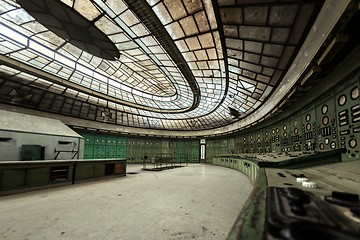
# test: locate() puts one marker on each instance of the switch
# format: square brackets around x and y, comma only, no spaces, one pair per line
[343,199]
[355,211]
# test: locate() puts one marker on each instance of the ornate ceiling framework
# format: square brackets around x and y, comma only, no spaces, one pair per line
[166,65]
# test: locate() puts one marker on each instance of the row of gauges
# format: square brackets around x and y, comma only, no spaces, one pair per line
[344,118]
[354,95]
[327,142]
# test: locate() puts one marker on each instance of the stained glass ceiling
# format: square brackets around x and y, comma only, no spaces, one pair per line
[167,65]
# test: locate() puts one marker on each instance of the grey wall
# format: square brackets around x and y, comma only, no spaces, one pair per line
[18,129]
[10,150]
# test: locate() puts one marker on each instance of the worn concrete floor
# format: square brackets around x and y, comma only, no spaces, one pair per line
[195,202]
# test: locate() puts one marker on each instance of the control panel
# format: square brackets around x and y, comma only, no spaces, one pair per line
[331,121]
[348,119]
[296,133]
[327,127]
[309,130]
[285,136]
[275,139]
[267,141]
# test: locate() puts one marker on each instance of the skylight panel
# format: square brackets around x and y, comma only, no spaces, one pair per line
[175,31]
[86,8]
[64,60]
[13,35]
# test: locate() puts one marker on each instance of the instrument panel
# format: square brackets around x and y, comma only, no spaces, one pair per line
[327,129]
[348,119]
[330,122]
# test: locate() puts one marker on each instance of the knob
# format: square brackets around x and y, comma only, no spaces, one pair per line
[297,195]
[298,209]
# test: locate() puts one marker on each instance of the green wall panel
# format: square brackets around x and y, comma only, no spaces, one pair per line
[88,151]
[111,151]
[99,151]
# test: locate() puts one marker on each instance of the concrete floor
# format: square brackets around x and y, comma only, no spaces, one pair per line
[195,202]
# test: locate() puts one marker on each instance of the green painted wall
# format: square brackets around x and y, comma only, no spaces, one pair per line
[99,146]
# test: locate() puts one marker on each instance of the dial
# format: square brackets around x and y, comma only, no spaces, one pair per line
[352,143]
[324,109]
[327,141]
[273,131]
[342,100]
[266,133]
[295,123]
[296,131]
[333,145]
[321,146]
[325,120]
[355,93]
[308,118]
[277,130]
[308,126]
[285,134]
[284,127]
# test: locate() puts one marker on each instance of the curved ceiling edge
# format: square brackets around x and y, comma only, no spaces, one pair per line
[144,12]
[33,71]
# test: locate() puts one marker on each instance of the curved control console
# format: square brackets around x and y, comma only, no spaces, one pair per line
[292,200]
[293,213]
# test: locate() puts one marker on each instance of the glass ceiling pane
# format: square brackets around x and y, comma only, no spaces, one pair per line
[143,78]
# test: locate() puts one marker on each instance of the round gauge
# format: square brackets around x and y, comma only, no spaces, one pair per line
[308,118]
[296,131]
[322,146]
[258,136]
[308,126]
[352,143]
[266,139]
[273,131]
[266,133]
[285,134]
[327,141]
[355,93]
[324,109]
[284,127]
[333,145]
[325,120]
[342,100]
[250,137]
[295,123]
[277,130]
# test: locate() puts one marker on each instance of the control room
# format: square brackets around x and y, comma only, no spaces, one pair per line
[179,119]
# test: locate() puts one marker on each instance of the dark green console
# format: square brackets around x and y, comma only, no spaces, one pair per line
[16,176]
